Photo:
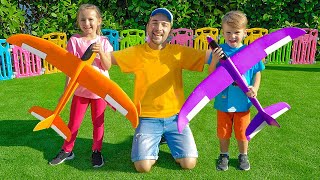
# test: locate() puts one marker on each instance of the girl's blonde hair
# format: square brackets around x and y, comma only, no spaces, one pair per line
[92,7]
[235,19]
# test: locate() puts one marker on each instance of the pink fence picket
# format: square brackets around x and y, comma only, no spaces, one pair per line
[25,63]
[182,36]
[304,47]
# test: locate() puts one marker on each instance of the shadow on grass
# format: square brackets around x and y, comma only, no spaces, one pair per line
[117,156]
[233,162]
[166,160]
[293,67]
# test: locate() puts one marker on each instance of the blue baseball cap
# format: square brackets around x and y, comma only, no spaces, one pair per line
[164,11]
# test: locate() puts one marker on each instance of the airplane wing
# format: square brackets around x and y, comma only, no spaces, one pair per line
[260,48]
[54,54]
[258,122]
[58,124]
[211,86]
[243,60]
[68,63]
[111,92]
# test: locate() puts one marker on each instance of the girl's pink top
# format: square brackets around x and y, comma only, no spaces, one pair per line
[77,46]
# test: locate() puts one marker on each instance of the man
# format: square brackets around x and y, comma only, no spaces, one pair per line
[158,67]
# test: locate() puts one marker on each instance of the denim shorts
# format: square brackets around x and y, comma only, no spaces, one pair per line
[148,134]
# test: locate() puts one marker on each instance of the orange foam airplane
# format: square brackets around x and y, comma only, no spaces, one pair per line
[81,72]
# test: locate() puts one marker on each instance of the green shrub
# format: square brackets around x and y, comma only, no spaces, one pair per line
[48,16]
[12,18]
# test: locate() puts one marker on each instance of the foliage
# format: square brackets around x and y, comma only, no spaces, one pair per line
[283,13]
[46,17]
[11,18]
[42,17]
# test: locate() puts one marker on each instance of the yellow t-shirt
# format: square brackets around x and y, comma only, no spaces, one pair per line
[158,75]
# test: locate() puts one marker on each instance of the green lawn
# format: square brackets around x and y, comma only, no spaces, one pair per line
[289,152]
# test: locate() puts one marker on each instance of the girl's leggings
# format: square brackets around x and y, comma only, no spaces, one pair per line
[78,109]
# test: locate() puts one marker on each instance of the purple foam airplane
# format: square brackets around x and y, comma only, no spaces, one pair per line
[231,70]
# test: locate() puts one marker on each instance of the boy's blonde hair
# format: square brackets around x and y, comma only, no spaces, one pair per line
[93,7]
[235,19]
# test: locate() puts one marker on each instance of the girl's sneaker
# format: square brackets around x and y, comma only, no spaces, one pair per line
[61,157]
[97,159]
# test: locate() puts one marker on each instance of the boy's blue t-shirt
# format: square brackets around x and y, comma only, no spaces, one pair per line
[233,99]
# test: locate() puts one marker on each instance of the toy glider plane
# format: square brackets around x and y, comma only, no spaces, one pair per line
[231,70]
[81,73]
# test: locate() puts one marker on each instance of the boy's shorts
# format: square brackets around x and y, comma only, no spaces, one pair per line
[148,134]
[239,120]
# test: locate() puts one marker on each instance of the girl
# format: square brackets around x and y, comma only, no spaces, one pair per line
[89,21]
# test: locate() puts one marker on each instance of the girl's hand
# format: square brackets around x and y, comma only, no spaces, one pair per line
[104,57]
[97,48]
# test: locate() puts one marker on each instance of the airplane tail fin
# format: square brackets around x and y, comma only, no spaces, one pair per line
[55,122]
[266,118]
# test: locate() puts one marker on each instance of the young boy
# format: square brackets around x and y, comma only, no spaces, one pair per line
[232,104]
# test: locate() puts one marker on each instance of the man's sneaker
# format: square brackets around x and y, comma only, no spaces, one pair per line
[163,140]
[244,162]
[61,157]
[223,162]
[97,159]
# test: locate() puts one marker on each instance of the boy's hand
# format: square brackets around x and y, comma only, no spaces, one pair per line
[217,54]
[252,93]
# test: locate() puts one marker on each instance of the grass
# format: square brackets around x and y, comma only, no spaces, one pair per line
[289,152]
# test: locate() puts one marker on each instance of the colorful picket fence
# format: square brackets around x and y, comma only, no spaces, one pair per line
[304,48]
[131,37]
[200,40]
[61,40]
[5,61]
[281,55]
[182,36]
[25,63]
[113,36]
[17,62]
[253,34]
